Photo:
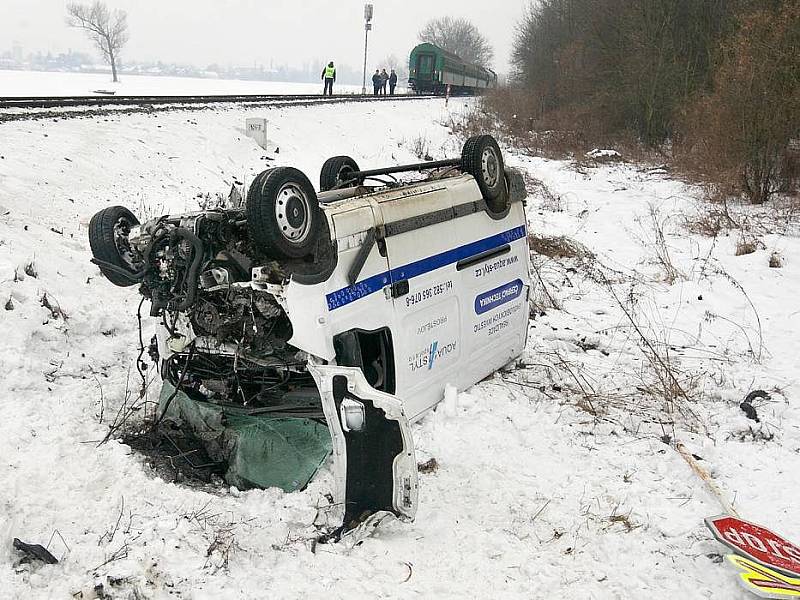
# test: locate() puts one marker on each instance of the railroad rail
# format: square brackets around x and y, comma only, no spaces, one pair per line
[109,100]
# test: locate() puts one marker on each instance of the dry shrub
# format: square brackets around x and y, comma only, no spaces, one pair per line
[775,260]
[31,270]
[658,244]
[785,213]
[474,121]
[710,222]
[420,147]
[739,136]
[558,247]
[745,246]
[515,107]
[538,189]
[53,306]
[567,131]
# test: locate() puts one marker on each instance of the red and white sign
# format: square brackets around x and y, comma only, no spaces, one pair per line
[757,543]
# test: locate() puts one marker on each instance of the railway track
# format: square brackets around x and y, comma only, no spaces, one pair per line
[29,108]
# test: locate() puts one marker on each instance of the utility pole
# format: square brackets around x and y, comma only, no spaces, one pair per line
[367,27]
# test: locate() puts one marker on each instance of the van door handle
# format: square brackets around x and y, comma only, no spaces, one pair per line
[400,288]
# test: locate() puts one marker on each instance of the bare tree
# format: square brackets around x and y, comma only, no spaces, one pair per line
[107,29]
[400,66]
[460,37]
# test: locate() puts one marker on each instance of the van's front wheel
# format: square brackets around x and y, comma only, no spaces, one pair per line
[283,214]
[108,238]
[482,158]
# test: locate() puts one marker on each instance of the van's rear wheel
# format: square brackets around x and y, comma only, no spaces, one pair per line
[108,238]
[335,173]
[283,214]
[482,158]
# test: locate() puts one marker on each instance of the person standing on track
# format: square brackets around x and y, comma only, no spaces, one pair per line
[329,75]
[392,82]
[377,82]
[384,80]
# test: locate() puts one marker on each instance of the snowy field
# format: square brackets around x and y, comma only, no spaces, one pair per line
[557,478]
[39,83]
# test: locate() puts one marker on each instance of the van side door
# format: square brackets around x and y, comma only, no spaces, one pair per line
[423,289]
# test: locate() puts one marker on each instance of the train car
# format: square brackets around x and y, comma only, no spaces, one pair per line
[431,69]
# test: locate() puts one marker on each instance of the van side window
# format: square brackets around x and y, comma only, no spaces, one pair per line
[372,352]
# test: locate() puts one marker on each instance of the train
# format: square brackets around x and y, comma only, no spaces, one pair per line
[432,69]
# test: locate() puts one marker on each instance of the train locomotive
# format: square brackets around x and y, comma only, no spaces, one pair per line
[431,69]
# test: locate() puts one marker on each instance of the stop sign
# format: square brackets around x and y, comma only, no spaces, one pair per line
[757,543]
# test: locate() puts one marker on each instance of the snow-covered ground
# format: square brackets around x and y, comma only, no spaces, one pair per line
[39,83]
[557,478]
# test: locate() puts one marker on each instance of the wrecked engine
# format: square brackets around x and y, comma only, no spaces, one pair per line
[224,339]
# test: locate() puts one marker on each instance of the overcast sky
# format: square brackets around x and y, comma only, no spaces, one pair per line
[245,32]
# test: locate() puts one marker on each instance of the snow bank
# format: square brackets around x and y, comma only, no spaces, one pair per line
[537,493]
[39,83]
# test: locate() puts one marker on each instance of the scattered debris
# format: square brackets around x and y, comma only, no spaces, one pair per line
[755,395]
[747,406]
[236,196]
[705,476]
[749,411]
[752,435]
[623,520]
[429,466]
[34,552]
[177,456]
[10,304]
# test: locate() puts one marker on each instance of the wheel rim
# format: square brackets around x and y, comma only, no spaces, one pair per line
[490,167]
[342,176]
[293,213]
[122,230]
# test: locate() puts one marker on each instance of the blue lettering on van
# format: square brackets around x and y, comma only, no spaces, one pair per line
[365,287]
[426,358]
[432,355]
[498,296]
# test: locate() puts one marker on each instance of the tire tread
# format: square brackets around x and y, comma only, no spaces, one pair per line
[261,223]
[471,163]
[102,244]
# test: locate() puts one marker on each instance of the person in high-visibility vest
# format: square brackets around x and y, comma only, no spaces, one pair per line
[329,75]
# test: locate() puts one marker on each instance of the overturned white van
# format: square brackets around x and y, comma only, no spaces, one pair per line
[349,309]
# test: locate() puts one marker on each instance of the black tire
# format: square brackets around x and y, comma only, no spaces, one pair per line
[283,214]
[108,239]
[482,158]
[335,173]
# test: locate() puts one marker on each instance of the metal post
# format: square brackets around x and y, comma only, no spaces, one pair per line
[364,82]
[367,27]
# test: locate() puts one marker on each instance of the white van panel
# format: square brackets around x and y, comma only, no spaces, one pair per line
[464,313]
[439,305]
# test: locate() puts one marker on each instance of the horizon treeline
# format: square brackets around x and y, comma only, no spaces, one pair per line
[715,81]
